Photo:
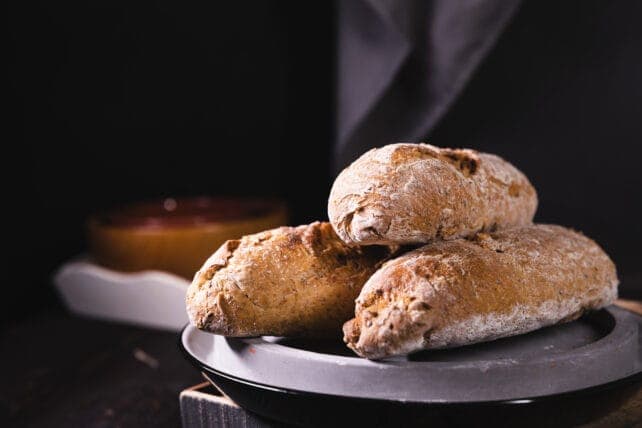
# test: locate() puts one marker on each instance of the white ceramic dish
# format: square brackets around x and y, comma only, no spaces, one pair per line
[150,298]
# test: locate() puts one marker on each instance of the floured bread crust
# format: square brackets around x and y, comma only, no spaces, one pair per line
[286,281]
[493,285]
[415,193]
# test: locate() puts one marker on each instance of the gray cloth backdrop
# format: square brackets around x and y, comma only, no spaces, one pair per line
[402,63]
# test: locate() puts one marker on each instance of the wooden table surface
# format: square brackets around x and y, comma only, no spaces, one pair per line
[71,372]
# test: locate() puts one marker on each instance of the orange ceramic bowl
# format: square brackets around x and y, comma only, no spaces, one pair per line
[176,235]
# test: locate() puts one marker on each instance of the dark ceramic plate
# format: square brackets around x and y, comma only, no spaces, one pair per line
[558,376]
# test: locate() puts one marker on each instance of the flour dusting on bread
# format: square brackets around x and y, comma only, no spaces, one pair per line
[451,293]
[415,193]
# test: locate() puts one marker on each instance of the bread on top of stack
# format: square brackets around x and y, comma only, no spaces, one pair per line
[437,246]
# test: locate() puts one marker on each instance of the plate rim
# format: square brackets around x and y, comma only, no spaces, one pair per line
[203,365]
[511,402]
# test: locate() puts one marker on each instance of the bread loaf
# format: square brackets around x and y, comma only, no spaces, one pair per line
[294,281]
[415,193]
[458,292]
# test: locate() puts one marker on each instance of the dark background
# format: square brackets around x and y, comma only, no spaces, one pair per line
[119,101]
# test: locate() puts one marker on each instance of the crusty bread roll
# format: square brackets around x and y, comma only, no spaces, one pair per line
[290,281]
[457,292]
[415,193]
